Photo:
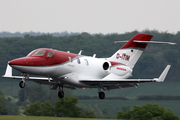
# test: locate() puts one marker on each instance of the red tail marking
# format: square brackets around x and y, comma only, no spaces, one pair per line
[140,37]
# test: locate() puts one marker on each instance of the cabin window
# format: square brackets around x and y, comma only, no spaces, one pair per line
[78,61]
[70,59]
[86,62]
[39,53]
[50,54]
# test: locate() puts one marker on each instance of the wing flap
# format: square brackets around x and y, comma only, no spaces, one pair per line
[116,81]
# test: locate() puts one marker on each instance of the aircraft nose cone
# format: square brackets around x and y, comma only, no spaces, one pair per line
[19,61]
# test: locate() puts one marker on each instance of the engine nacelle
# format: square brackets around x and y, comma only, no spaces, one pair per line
[120,70]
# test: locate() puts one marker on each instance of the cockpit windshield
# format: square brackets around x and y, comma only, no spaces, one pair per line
[39,53]
[31,52]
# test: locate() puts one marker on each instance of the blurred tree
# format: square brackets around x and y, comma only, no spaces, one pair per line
[39,109]
[88,114]
[148,112]
[33,110]
[66,107]
[3,103]
[36,93]
[47,109]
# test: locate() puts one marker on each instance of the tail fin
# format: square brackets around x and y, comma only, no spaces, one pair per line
[131,51]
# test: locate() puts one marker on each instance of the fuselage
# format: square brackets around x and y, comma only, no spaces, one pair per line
[64,67]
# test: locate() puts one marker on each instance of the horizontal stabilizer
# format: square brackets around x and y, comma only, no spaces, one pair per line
[147,42]
[120,41]
[154,42]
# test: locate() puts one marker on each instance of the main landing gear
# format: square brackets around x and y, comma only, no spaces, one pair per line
[22,84]
[61,92]
[101,94]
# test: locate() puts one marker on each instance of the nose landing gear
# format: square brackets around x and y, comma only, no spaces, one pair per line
[22,83]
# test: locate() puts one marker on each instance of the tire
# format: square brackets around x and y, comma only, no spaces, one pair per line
[22,84]
[101,95]
[61,94]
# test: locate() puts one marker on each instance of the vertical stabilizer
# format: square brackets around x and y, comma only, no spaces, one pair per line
[131,51]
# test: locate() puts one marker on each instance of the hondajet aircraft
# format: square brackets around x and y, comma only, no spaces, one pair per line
[63,69]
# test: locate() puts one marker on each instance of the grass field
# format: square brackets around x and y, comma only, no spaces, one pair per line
[41,118]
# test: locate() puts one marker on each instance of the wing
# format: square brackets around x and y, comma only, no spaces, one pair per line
[121,83]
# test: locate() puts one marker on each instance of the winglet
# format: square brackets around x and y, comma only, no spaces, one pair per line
[80,52]
[8,71]
[163,74]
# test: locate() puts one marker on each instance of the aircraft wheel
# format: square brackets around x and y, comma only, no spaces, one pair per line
[101,95]
[61,94]
[22,84]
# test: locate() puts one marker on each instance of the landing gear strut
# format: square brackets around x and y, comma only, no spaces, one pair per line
[22,83]
[61,92]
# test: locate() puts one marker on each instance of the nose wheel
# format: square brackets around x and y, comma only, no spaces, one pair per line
[22,84]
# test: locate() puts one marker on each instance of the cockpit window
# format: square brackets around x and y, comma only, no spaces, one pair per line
[50,54]
[31,52]
[39,53]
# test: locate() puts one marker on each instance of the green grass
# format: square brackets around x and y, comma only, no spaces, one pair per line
[4,117]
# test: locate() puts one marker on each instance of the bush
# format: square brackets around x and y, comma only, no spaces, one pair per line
[65,107]
[148,112]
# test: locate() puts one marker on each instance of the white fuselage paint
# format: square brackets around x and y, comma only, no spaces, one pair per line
[80,68]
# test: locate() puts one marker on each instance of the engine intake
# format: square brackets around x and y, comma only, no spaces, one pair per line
[106,66]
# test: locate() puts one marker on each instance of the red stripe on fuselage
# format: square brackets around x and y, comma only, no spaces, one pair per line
[115,63]
[59,58]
